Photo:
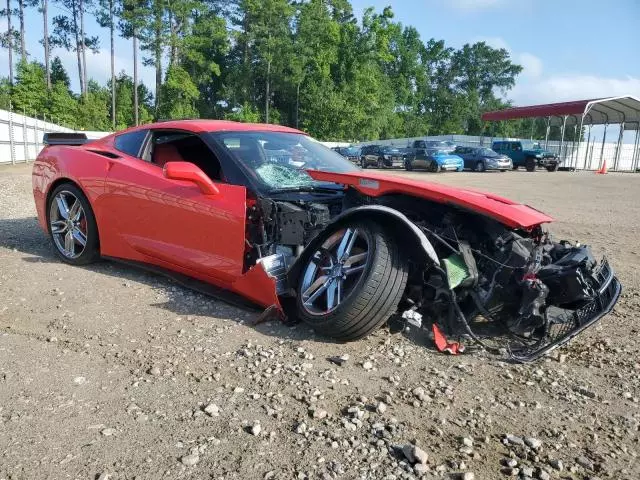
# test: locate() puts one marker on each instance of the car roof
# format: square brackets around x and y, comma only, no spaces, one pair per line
[201,126]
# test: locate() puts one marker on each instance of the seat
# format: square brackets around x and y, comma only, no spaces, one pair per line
[166,152]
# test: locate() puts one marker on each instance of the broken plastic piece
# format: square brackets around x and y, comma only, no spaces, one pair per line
[413,318]
[453,348]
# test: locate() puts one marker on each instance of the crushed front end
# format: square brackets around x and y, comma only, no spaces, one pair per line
[494,282]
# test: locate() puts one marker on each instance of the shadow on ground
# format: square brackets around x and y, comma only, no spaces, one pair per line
[24,235]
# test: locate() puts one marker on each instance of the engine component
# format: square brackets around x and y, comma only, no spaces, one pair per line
[298,224]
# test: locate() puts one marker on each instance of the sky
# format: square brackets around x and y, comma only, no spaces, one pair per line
[570,49]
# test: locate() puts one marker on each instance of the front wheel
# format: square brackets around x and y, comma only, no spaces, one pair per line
[434,167]
[530,164]
[72,225]
[380,163]
[407,166]
[363,163]
[480,166]
[353,281]
[552,168]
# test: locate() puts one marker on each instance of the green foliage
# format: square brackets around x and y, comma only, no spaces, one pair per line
[30,88]
[58,73]
[307,63]
[182,92]
[247,113]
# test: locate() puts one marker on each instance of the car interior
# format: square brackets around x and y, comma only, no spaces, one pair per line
[183,147]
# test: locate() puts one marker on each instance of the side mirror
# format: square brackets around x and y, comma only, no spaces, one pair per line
[188,172]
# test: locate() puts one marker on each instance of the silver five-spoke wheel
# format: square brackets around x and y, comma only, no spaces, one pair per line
[68,224]
[333,271]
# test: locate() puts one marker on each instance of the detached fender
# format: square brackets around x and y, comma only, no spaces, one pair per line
[415,242]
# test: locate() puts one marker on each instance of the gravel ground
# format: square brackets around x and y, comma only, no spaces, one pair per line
[110,372]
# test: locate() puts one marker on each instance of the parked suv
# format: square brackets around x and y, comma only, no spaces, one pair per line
[527,154]
[381,156]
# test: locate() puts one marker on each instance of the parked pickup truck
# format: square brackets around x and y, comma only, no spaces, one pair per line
[527,154]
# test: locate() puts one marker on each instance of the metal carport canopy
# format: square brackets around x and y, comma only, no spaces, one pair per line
[598,111]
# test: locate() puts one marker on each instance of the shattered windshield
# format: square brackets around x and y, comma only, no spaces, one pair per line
[279,160]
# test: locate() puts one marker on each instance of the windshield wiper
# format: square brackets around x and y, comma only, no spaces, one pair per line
[307,189]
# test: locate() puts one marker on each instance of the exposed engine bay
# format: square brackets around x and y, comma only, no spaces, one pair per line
[489,279]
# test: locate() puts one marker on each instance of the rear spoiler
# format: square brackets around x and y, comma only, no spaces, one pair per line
[64,138]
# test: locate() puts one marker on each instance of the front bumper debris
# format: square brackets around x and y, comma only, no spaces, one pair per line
[564,325]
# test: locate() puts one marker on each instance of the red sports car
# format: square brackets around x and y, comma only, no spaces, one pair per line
[268,214]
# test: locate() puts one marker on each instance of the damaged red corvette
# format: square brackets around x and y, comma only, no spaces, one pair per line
[267,214]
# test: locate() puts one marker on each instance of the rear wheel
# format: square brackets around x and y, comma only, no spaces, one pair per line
[353,282]
[72,225]
[530,164]
[480,166]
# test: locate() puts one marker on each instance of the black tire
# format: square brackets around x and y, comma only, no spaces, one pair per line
[381,163]
[434,167]
[91,252]
[515,167]
[375,296]
[363,163]
[480,167]
[530,164]
[407,165]
[553,167]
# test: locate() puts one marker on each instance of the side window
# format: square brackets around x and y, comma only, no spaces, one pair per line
[177,146]
[130,143]
[497,146]
[515,146]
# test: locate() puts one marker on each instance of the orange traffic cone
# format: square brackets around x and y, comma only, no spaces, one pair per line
[603,170]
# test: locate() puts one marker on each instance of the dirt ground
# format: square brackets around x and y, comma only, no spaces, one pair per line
[111,372]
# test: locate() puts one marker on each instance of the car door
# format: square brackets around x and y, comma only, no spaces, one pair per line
[516,153]
[150,218]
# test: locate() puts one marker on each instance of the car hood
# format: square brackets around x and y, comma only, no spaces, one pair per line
[508,212]
[538,151]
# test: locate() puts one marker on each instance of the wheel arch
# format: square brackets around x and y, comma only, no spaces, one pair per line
[417,246]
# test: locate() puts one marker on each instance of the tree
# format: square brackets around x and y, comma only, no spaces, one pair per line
[92,108]
[7,40]
[106,18]
[269,32]
[62,106]
[29,92]
[59,74]
[44,9]
[132,18]
[68,33]
[180,93]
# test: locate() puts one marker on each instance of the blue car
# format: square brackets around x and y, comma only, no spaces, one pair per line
[433,160]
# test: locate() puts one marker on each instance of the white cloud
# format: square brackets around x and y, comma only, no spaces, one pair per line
[474,5]
[560,88]
[532,65]
[495,42]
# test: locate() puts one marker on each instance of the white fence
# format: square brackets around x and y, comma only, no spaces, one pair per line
[580,155]
[21,136]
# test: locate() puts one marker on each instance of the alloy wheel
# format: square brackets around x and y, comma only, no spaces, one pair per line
[333,271]
[68,224]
